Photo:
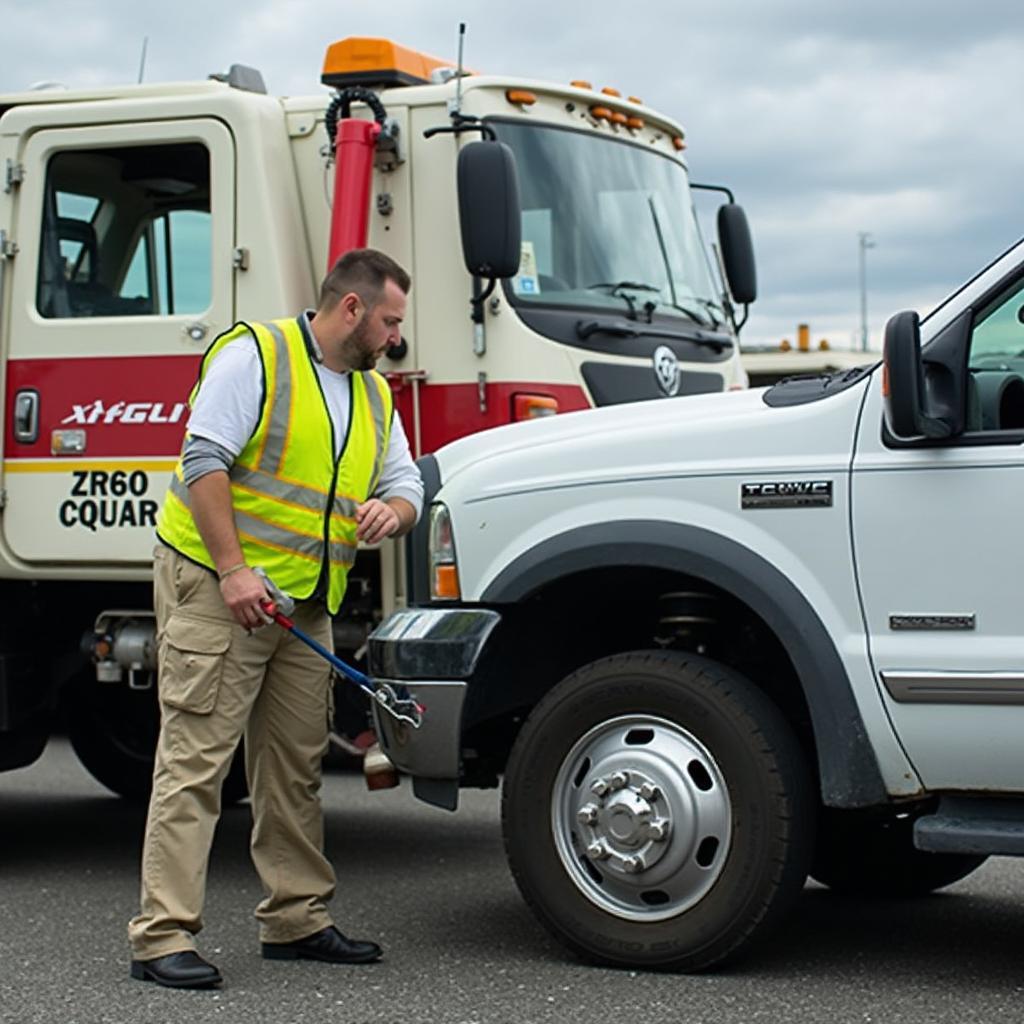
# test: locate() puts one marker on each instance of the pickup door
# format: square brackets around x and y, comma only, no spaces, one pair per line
[123,275]
[939,545]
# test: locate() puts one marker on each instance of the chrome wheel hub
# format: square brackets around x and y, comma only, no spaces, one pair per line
[641,817]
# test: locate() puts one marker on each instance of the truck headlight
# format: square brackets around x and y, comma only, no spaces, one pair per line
[444,570]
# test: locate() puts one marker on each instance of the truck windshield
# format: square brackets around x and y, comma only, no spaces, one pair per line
[607,224]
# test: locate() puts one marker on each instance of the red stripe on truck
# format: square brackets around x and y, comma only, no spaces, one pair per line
[136,406]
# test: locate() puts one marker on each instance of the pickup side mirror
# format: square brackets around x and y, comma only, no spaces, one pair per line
[737,253]
[489,214]
[912,408]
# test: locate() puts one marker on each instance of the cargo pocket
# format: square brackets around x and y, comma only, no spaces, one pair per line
[192,662]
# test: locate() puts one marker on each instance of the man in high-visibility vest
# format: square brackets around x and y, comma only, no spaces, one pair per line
[293,456]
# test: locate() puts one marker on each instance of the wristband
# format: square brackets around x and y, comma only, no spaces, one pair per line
[232,569]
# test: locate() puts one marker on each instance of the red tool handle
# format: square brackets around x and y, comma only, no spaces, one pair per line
[279,617]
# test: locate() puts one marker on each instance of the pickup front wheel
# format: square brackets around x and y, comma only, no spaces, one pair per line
[657,811]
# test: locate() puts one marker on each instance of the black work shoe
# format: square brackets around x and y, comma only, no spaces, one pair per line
[328,945]
[177,970]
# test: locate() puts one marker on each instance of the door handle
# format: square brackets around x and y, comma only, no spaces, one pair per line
[26,416]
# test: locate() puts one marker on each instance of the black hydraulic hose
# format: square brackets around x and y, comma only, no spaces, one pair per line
[342,102]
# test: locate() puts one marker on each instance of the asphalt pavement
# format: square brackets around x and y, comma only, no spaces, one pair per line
[460,945]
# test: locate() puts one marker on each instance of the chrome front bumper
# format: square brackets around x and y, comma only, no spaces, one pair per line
[431,653]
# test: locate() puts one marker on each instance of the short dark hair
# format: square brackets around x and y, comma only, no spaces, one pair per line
[365,272]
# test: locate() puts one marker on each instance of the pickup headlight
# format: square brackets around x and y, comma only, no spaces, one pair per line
[444,570]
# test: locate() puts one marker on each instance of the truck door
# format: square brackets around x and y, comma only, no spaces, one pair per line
[937,536]
[123,276]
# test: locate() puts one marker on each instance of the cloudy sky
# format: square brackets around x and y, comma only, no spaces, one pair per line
[829,118]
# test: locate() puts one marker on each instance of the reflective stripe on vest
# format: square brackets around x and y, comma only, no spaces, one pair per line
[289,518]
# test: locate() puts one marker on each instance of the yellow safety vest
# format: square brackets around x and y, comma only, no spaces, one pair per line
[294,503]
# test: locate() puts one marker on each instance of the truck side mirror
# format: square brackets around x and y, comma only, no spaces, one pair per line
[737,253]
[489,215]
[909,408]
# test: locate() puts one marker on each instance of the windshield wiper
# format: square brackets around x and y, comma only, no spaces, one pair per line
[586,328]
[614,286]
[715,309]
[617,288]
[695,316]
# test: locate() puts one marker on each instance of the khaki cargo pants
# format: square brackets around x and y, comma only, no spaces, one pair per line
[217,682]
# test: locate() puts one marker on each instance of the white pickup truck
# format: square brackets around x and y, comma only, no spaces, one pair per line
[717,645]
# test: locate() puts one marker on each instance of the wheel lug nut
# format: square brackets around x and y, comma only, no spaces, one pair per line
[597,851]
[658,830]
[599,787]
[649,791]
[619,780]
[587,814]
[634,865]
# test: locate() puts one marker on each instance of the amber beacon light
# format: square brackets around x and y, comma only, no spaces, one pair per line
[365,61]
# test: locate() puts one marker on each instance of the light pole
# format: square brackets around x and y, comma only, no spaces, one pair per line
[865,242]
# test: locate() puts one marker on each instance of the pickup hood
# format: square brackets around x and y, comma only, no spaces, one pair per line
[725,433]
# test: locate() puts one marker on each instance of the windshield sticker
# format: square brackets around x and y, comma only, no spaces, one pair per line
[526,282]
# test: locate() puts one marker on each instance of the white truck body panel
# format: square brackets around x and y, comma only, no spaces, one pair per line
[679,462]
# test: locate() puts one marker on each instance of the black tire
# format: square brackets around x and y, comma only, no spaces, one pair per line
[872,857]
[637,713]
[113,731]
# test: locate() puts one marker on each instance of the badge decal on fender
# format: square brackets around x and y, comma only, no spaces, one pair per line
[786,494]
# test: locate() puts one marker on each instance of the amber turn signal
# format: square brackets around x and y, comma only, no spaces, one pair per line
[446,582]
[531,407]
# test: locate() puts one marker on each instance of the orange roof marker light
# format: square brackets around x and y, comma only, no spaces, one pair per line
[677,141]
[522,97]
[361,60]
[636,123]
[601,113]
[636,99]
[609,91]
[579,83]
[618,117]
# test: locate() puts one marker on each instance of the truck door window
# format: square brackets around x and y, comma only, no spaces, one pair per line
[996,394]
[170,267]
[126,231]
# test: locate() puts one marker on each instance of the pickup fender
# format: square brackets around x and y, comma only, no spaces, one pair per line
[848,769]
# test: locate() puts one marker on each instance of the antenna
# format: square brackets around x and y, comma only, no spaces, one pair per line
[458,74]
[142,59]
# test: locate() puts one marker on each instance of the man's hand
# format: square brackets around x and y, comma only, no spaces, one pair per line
[242,592]
[376,520]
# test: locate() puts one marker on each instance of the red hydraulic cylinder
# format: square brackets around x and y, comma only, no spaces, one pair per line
[355,144]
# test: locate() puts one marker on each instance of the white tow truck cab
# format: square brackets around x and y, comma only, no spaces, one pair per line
[715,646]
[137,223]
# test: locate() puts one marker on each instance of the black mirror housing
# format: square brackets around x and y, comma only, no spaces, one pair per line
[489,213]
[737,253]
[910,409]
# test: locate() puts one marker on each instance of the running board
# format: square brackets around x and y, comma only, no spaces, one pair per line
[978,825]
